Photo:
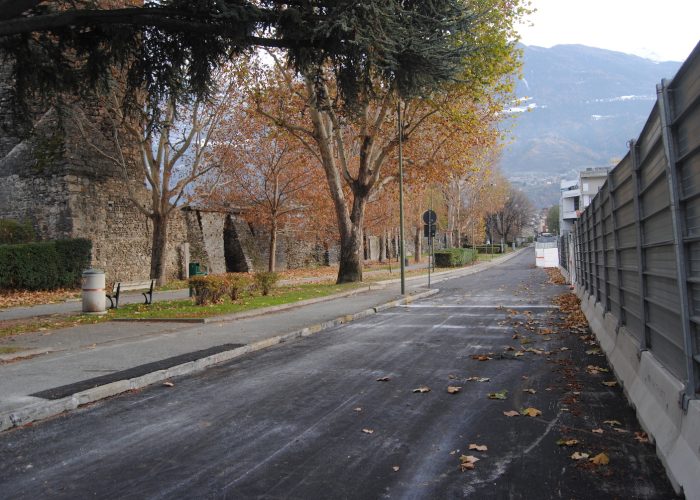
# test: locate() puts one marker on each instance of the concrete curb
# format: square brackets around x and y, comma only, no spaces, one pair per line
[654,392]
[44,409]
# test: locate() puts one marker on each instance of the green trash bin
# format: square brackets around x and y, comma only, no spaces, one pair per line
[195,270]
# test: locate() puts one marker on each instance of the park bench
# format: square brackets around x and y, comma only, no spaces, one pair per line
[126,286]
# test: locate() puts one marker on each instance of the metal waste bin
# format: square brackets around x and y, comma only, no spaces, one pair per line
[93,291]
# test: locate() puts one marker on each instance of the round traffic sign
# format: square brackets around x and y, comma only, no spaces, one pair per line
[429,217]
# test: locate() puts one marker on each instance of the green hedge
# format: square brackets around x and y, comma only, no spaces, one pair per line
[46,265]
[454,257]
[488,248]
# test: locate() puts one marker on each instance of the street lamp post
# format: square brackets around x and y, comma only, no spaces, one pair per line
[401,235]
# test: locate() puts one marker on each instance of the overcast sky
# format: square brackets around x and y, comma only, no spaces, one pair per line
[666,30]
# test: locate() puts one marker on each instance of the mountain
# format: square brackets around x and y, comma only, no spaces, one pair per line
[577,107]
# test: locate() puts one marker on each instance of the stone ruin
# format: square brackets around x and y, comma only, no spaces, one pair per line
[51,177]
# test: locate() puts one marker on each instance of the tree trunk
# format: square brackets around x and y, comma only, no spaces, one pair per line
[382,247]
[417,241]
[272,261]
[351,244]
[159,247]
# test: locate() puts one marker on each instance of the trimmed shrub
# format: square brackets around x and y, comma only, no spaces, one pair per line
[488,248]
[265,281]
[454,257]
[45,265]
[237,285]
[212,288]
[13,232]
[73,258]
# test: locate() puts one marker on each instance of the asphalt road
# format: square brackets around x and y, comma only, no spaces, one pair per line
[310,420]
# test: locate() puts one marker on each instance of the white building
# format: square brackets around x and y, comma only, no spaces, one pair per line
[577,195]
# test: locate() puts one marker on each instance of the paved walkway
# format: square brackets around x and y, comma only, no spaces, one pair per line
[77,365]
[74,306]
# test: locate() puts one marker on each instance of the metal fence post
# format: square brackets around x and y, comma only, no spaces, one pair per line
[604,241]
[595,231]
[634,154]
[677,217]
[616,244]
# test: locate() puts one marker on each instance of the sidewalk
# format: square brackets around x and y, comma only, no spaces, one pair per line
[78,365]
[74,306]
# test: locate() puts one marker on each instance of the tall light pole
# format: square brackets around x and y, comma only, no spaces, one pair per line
[401,235]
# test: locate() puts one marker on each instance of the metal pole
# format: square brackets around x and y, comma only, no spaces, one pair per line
[401,236]
[678,215]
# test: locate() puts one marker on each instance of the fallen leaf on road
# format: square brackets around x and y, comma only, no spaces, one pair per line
[467,462]
[612,423]
[641,437]
[422,389]
[531,391]
[168,384]
[598,431]
[563,348]
[498,395]
[567,442]
[368,431]
[594,370]
[593,351]
[478,379]
[358,408]
[509,348]
[396,468]
[478,447]
[579,456]
[610,383]
[600,459]
[531,412]
[480,357]
[453,389]
[383,379]
[621,431]
[511,413]
[519,353]
[452,376]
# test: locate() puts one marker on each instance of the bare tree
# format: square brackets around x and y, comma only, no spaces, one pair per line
[171,157]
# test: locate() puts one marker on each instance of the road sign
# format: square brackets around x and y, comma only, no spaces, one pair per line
[429,230]
[429,217]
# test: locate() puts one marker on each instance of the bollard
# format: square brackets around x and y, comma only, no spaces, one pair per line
[93,291]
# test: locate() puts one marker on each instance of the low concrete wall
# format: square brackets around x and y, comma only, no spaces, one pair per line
[655,394]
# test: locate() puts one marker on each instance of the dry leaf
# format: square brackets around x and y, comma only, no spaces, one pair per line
[621,431]
[611,383]
[422,389]
[480,357]
[531,412]
[452,376]
[600,459]
[567,442]
[594,370]
[598,431]
[519,353]
[467,462]
[563,348]
[531,391]
[511,413]
[168,384]
[396,468]
[612,423]
[498,395]
[478,379]
[579,456]
[641,437]
[453,389]
[358,408]
[383,379]
[478,447]
[368,431]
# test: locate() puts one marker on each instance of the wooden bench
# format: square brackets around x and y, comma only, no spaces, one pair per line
[126,286]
